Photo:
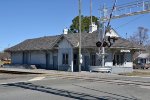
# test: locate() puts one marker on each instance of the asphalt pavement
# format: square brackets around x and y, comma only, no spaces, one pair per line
[71,87]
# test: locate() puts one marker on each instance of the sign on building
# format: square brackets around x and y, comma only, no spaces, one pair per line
[124,50]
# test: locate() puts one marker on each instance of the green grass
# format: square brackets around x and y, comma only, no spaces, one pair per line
[137,73]
[1,63]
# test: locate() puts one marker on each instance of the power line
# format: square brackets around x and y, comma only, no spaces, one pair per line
[130,3]
[129,22]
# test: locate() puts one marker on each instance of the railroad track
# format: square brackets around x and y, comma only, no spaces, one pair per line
[102,80]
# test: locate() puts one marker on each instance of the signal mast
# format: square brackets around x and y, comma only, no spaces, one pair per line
[121,11]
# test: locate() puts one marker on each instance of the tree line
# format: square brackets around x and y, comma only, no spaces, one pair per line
[85,22]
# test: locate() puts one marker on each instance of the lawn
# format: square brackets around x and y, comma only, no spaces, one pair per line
[138,73]
[1,63]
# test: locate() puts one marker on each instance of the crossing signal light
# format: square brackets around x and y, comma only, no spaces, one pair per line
[105,44]
[98,44]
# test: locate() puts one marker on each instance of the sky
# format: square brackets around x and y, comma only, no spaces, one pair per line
[26,19]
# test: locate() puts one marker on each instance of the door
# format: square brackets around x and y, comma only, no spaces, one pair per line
[25,57]
[55,62]
[47,61]
[86,63]
[117,59]
[75,62]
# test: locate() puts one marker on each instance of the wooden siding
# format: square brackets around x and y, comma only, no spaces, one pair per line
[16,58]
[65,47]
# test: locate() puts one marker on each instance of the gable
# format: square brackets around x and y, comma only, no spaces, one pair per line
[144,55]
[112,33]
[64,43]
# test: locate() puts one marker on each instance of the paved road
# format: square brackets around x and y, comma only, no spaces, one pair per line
[39,87]
[13,78]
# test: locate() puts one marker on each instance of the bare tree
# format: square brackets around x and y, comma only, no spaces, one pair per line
[148,47]
[140,37]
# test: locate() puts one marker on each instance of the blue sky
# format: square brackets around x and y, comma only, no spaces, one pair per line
[25,19]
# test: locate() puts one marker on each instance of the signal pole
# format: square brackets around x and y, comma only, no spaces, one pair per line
[114,13]
[103,35]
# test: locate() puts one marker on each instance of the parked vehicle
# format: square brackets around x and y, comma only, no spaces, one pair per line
[141,66]
[147,66]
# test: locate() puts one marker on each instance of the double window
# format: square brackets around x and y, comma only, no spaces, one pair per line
[65,58]
[118,59]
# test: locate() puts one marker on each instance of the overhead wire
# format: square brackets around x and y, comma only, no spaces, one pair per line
[134,18]
[130,21]
[130,3]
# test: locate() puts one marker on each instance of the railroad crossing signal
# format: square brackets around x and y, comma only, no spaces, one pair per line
[130,9]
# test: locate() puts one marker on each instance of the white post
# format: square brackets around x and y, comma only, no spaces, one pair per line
[103,36]
[71,58]
[143,6]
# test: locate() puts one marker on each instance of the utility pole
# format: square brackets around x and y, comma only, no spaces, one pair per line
[91,10]
[80,57]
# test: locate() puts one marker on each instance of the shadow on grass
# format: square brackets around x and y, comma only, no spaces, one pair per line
[62,92]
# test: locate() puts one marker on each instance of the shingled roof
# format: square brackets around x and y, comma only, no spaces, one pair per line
[42,43]
[88,40]
[123,43]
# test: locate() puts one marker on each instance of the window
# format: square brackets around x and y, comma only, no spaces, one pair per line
[143,61]
[93,60]
[119,59]
[65,59]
